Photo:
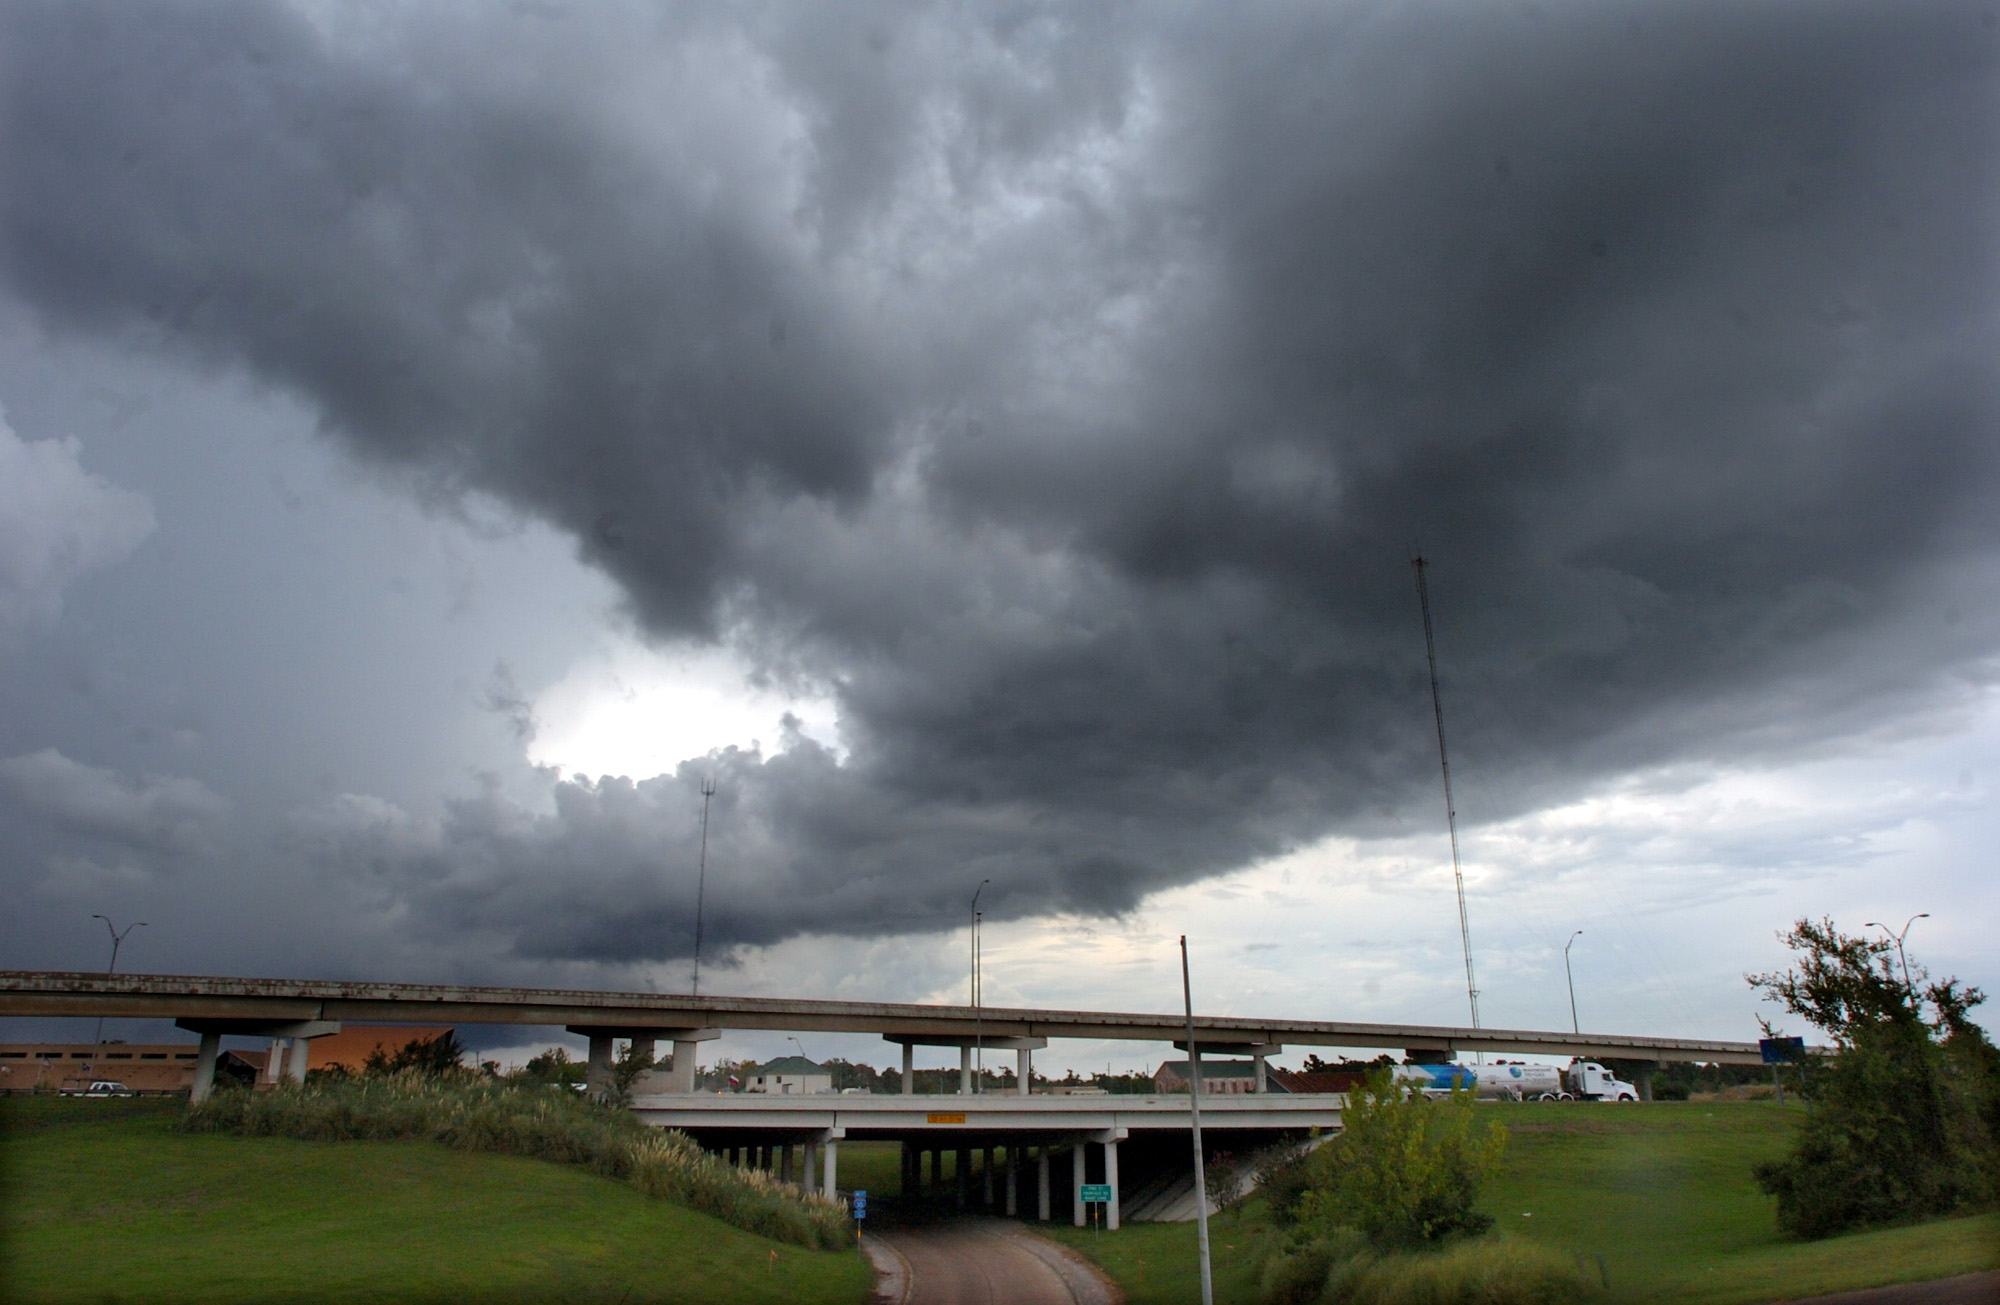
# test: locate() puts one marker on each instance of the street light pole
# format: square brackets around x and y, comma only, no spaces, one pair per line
[1572,980]
[1194,1119]
[1900,954]
[117,939]
[978,1030]
[701,877]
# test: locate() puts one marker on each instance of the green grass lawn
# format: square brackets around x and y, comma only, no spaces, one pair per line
[1662,1192]
[103,1202]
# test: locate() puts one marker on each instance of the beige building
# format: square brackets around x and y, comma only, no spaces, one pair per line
[56,1066]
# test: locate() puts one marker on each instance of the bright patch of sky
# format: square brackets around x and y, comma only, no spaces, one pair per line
[626,709]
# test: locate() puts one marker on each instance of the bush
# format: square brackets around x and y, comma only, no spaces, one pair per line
[1405,1169]
[1485,1272]
[1901,1122]
[468,1113]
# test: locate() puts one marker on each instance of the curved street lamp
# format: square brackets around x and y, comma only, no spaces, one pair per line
[117,939]
[1572,980]
[1898,936]
[978,1039]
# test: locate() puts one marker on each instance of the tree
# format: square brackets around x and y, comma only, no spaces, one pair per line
[1901,1120]
[431,1057]
[554,1066]
[1405,1169]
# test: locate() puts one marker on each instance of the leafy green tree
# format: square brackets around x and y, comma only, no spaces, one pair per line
[1405,1169]
[554,1066]
[1901,1120]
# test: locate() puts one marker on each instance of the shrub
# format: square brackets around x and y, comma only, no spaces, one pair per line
[1484,1272]
[1405,1169]
[1901,1121]
[470,1113]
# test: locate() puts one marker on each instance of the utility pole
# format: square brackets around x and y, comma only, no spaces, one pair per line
[978,1029]
[117,939]
[1572,980]
[1900,955]
[1194,1114]
[701,878]
[1444,764]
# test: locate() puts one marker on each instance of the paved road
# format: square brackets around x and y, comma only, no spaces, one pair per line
[1971,1289]
[986,1262]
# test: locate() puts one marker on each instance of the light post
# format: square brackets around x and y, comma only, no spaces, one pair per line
[978,1031]
[1571,976]
[701,877]
[117,939]
[1898,936]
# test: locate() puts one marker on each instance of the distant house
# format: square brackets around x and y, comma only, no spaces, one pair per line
[1319,1080]
[1218,1077]
[790,1076]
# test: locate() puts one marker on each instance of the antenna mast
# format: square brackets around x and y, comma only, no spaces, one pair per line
[1444,764]
[701,879]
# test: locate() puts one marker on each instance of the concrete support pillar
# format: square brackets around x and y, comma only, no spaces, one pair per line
[909,1068]
[986,1180]
[204,1068]
[963,1175]
[1024,1067]
[295,1064]
[643,1047]
[597,1070]
[1076,1183]
[680,1075]
[785,1163]
[965,1071]
[1013,1159]
[1643,1080]
[1263,1073]
[831,1187]
[274,1060]
[1042,1182]
[1111,1177]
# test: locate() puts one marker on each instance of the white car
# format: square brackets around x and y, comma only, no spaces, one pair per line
[101,1088]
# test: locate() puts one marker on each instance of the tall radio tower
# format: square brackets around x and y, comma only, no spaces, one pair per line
[1444,764]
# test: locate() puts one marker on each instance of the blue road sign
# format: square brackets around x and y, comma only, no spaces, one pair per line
[1782,1051]
[860,1205]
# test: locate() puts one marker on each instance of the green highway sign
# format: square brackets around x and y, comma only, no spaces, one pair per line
[1096,1192]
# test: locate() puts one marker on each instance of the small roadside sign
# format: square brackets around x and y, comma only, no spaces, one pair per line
[1096,1192]
[860,1205]
[944,1117]
[1782,1051]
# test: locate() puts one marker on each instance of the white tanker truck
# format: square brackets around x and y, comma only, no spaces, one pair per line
[1580,1081]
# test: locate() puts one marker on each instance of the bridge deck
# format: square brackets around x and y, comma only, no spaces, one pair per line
[166,996]
[916,1116]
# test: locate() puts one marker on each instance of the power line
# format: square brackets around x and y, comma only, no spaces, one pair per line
[1444,764]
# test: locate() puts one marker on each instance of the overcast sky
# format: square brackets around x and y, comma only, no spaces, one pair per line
[989,441]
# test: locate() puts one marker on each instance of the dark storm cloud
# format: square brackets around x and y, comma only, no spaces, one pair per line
[1064,387]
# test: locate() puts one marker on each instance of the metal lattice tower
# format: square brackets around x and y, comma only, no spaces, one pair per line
[1418,564]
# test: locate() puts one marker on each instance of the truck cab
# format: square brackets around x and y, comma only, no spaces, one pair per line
[1590,1081]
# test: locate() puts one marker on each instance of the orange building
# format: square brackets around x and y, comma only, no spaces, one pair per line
[351,1047]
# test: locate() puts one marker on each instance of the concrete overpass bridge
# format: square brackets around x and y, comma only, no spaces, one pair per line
[769,1128]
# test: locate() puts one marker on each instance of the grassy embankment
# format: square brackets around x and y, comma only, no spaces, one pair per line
[1662,1192]
[102,1200]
